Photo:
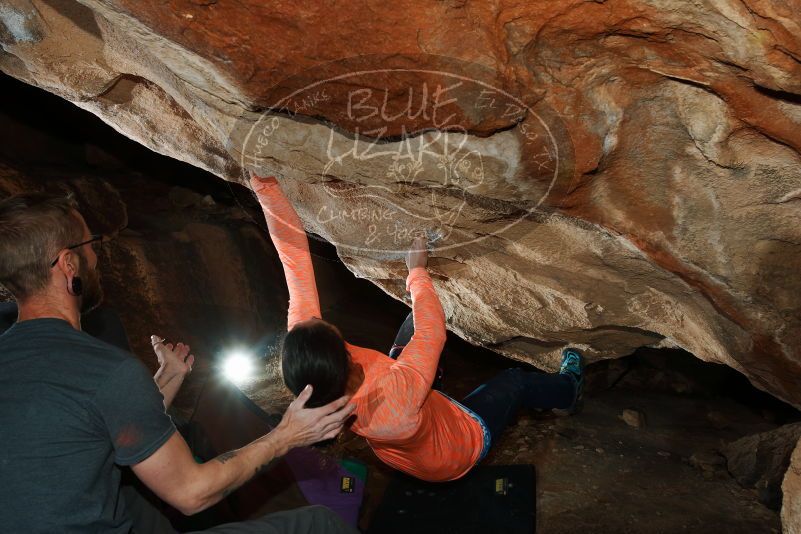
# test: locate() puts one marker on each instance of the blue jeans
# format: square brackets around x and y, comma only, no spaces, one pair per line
[498,400]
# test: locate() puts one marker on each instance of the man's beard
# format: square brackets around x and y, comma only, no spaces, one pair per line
[92,294]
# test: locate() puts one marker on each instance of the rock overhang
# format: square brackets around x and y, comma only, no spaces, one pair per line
[672,218]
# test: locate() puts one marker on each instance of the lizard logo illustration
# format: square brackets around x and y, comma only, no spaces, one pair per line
[388,153]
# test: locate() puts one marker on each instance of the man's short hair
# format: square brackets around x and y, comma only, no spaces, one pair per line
[34,228]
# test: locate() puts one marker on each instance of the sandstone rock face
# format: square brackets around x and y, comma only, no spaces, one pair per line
[760,461]
[791,487]
[607,175]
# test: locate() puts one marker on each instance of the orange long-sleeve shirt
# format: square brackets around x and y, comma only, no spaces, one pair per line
[408,425]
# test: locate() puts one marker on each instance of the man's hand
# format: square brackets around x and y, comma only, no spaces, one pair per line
[175,362]
[418,254]
[304,426]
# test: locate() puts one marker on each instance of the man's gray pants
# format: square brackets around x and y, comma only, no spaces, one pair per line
[147,519]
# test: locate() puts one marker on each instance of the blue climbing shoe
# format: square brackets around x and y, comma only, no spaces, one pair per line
[573,365]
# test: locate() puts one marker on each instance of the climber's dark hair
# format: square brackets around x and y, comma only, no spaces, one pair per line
[314,353]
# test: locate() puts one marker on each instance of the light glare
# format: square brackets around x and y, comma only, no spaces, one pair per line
[238,367]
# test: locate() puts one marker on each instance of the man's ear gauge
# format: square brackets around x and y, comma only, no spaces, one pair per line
[76,286]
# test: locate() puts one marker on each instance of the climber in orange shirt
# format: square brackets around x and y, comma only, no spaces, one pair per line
[409,426]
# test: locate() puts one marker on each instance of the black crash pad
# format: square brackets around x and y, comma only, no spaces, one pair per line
[496,499]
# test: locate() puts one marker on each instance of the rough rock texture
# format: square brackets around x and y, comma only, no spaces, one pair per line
[760,461]
[791,487]
[617,174]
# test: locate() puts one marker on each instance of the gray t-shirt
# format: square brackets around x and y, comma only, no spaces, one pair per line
[71,407]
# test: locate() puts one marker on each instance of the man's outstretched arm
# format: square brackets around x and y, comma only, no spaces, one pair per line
[289,238]
[172,473]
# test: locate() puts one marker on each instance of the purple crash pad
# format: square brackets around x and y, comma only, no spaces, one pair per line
[321,480]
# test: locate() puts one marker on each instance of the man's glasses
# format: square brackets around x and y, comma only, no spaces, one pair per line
[96,238]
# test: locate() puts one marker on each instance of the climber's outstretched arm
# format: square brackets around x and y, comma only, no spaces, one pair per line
[289,238]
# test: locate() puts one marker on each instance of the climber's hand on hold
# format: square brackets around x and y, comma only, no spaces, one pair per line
[417,255]
[257,182]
